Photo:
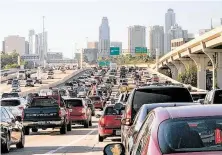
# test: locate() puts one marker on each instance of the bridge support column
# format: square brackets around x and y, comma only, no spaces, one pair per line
[173,70]
[215,56]
[179,66]
[201,62]
[187,62]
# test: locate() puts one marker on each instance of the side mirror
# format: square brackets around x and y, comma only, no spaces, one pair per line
[98,115]
[114,149]
[18,118]
[126,121]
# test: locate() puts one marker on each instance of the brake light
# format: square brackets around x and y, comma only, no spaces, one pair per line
[60,113]
[102,121]
[83,111]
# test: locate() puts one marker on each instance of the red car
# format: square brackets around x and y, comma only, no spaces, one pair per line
[79,111]
[109,124]
[97,102]
[185,130]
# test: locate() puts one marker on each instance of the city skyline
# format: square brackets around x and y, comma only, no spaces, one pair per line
[63,33]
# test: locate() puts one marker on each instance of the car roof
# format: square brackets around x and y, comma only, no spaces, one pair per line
[198,92]
[11,98]
[159,87]
[193,111]
[71,98]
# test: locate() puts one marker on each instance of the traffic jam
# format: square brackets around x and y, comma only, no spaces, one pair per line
[131,111]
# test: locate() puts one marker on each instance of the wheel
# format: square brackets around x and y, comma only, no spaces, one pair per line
[101,109]
[90,123]
[69,126]
[63,129]
[27,131]
[93,114]
[34,129]
[21,143]
[6,145]
[100,138]
[86,124]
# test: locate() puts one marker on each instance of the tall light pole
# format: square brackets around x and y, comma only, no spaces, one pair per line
[43,40]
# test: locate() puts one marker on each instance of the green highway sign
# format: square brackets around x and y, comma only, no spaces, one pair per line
[141,50]
[104,63]
[114,50]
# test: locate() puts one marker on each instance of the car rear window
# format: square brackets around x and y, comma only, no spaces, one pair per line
[74,103]
[95,98]
[182,135]
[149,96]
[10,102]
[218,97]
[10,95]
[111,111]
[44,102]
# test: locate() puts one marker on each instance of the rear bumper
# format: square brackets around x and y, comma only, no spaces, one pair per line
[98,105]
[46,124]
[78,119]
[104,132]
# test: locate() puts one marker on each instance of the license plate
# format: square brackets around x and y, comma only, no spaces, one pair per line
[70,110]
[43,122]
[118,132]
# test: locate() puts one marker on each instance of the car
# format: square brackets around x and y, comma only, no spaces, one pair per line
[139,119]
[29,83]
[38,81]
[46,112]
[82,92]
[15,82]
[110,121]
[17,103]
[11,131]
[155,78]
[50,75]
[10,95]
[150,95]
[213,97]
[97,102]
[179,130]
[16,88]
[9,81]
[80,112]
[90,105]
[198,95]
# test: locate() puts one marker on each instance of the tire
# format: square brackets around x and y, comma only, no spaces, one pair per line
[101,109]
[27,131]
[86,124]
[21,143]
[63,129]
[34,129]
[6,147]
[93,114]
[90,122]
[69,126]
[100,138]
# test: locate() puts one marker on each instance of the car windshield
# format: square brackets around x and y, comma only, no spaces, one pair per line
[95,98]
[10,102]
[148,96]
[10,95]
[74,103]
[29,81]
[44,102]
[200,134]
[218,97]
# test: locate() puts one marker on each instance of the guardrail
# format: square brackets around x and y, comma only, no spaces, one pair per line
[174,81]
[75,73]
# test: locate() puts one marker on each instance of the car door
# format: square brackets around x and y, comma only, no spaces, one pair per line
[12,126]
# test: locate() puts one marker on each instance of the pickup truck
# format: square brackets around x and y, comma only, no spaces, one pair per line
[213,97]
[46,112]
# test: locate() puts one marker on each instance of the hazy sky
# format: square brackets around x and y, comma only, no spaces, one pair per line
[71,21]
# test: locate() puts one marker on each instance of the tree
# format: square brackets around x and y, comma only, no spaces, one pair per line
[9,59]
[189,76]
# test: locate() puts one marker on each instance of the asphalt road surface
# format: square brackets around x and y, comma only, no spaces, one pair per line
[79,141]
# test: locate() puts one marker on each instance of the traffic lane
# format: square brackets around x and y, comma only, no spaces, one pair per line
[58,76]
[79,141]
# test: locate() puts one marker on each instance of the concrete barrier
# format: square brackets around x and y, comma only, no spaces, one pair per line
[172,80]
[75,73]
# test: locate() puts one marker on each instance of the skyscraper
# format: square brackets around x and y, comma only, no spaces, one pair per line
[14,43]
[93,44]
[136,37]
[104,38]
[41,46]
[31,42]
[170,20]
[156,40]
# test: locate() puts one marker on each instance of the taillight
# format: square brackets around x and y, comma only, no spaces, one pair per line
[83,111]
[102,121]
[60,113]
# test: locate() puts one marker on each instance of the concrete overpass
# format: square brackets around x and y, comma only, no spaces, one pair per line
[201,51]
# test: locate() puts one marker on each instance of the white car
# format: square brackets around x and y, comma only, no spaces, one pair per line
[82,92]
[14,104]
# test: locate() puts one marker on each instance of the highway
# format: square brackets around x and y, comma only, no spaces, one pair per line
[58,75]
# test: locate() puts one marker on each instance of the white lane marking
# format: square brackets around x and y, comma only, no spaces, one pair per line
[71,143]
